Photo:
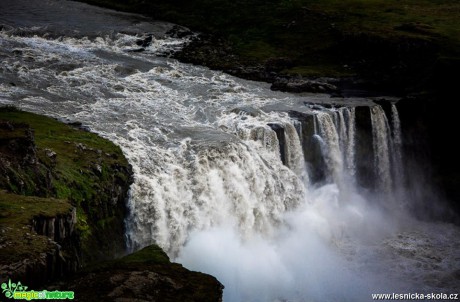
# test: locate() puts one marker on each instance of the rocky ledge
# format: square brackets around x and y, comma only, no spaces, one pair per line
[64,201]
[37,238]
[146,275]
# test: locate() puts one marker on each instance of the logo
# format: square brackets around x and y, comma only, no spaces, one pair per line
[19,291]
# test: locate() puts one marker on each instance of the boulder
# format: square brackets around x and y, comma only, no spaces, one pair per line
[147,275]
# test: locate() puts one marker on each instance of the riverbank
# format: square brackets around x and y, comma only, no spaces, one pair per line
[43,164]
[341,47]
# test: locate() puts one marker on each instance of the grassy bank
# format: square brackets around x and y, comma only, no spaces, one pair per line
[42,157]
[18,241]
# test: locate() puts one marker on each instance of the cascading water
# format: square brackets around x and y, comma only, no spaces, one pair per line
[231,183]
[397,159]
[258,188]
[350,142]
[381,144]
[331,145]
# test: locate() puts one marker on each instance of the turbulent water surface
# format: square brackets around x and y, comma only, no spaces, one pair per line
[282,197]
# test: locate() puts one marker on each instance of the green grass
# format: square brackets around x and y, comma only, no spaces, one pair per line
[17,239]
[84,171]
[78,154]
[151,254]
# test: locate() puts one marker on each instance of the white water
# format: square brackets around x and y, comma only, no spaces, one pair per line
[210,187]
[331,146]
[398,167]
[349,143]
[381,144]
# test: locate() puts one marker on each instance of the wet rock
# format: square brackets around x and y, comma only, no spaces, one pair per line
[137,50]
[364,147]
[57,228]
[179,32]
[310,145]
[76,124]
[303,85]
[279,130]
[145,42]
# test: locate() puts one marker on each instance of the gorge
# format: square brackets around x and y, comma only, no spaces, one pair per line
[280,196]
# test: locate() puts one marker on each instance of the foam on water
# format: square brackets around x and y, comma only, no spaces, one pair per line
[212,187]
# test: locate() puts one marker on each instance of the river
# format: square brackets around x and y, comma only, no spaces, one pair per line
[282,197]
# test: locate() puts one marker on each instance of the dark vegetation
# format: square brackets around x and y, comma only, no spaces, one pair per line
[398,46]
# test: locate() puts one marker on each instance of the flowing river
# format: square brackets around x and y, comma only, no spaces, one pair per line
[282,197]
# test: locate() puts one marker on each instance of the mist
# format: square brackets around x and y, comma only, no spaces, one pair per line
[316,253]
[341,241]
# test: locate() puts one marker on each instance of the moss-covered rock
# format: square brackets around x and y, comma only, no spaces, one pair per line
[37,239]
[146,275]
[40,156]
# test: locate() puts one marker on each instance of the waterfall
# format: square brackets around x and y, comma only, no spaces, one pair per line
[239,183]
[331,146]
[397,163]
[350,142]
[294,153]
[262,189]
[381,142]
[339,121]
[335,132]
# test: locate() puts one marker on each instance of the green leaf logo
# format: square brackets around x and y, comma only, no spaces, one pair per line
[10,288]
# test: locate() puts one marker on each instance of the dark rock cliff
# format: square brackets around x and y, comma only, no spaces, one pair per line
[20,169]
[429,131]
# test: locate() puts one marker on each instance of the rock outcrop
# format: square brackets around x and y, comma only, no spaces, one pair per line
[38,239]
[20,169]
[146,275]
[304,85]
[48,159]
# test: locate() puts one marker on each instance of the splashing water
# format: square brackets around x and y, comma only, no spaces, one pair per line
[224,167]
